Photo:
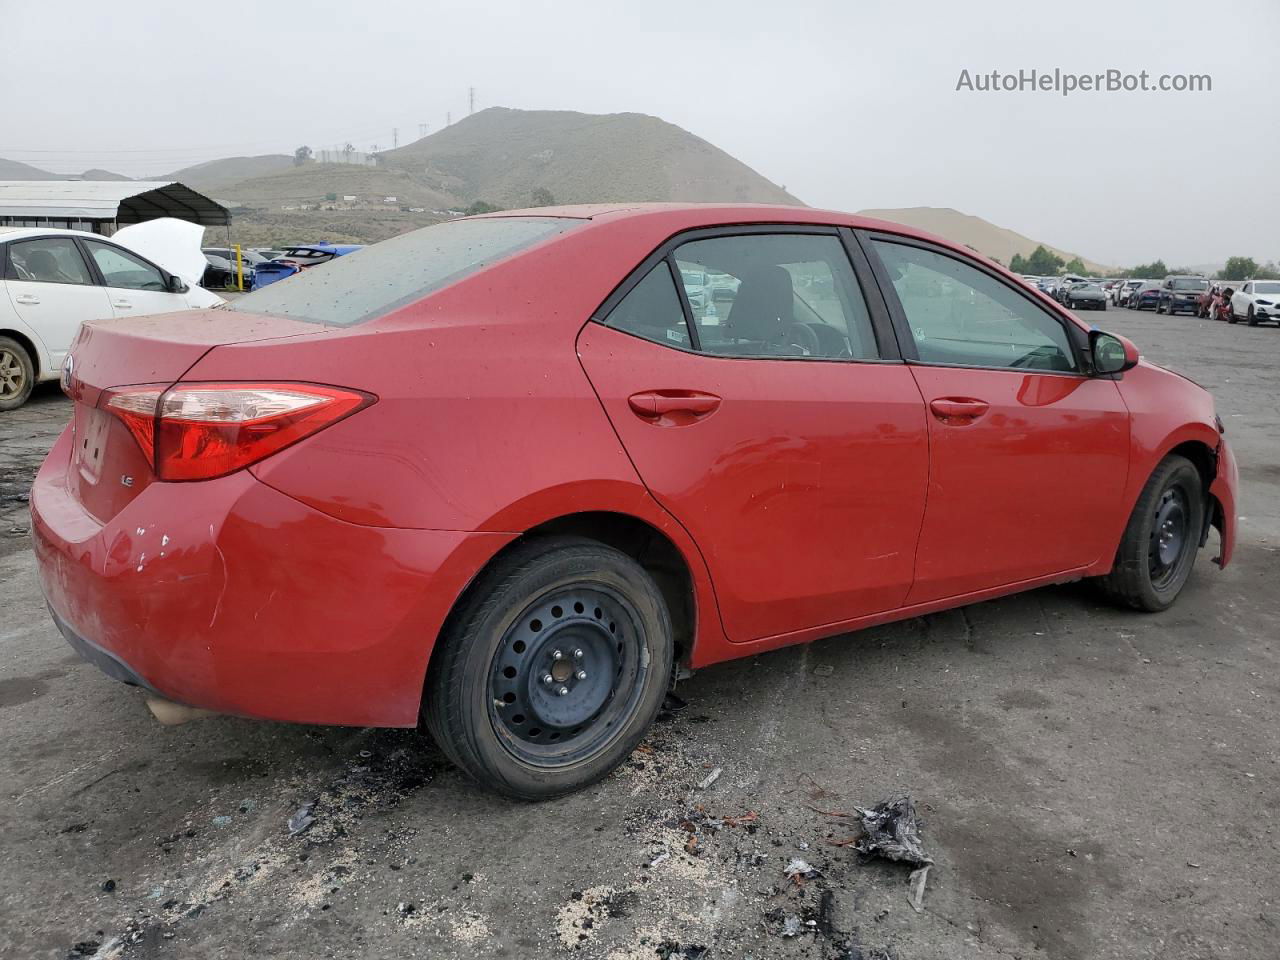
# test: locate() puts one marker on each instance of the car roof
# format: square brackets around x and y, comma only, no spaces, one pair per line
[691,216]
[17,233]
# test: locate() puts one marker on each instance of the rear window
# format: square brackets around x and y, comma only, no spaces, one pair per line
[385,276]
[1187,283]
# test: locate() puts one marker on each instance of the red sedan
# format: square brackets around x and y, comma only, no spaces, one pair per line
[505,473]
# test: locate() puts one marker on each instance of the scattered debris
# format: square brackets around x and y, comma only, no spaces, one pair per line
[792,925]
[916,882]
[222,820]
[800,870]
[674,950]
[740,821]
[710,778]
[301,818]
[405,908]
[891,831]
[823,670]
[108,886]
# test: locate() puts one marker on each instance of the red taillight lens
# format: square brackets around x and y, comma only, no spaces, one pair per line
[199,431]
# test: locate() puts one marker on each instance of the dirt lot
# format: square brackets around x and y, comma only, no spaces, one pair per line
[1096,784]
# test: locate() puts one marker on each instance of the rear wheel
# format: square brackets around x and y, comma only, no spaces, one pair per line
[552,671]
[17,374]
[1160,542]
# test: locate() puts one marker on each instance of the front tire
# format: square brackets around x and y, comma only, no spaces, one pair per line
[521,720]
[1251,318]
[1161,540]
[17,374]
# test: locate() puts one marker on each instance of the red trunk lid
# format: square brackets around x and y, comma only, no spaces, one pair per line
[108,468]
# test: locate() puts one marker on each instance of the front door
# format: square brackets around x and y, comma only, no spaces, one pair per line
[772,422]
[1029,455]
[134,286]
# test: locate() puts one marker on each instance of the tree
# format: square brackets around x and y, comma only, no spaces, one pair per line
[1268,271]
[301,156]
[1156,270]
[1042,262]
[1240,268]
[1018,264]
[542,198]
[482,206]
[1077,267]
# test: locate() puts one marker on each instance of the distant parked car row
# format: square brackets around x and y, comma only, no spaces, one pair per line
[261,267]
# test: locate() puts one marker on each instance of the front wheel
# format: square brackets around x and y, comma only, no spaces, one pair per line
[1160,542]
[552,670]
[1252,318]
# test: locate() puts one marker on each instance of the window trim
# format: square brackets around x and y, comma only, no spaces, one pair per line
[1077,337]
[6,261]
[887,343]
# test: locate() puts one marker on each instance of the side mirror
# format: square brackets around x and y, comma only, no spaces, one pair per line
[177,285]
[1111,352]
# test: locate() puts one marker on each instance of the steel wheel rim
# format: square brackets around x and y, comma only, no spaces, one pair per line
[13,377]
[601,667]
[1170,537]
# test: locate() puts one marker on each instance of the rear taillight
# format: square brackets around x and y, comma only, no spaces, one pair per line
[198,431]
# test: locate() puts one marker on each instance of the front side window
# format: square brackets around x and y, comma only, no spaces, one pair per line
[960,315]
[122,269]
[776,295]
[48,260]
[652,310]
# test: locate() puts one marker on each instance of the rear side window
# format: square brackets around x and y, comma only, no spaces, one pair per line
[48,260]
[387,275]
[652,310]
[776,295]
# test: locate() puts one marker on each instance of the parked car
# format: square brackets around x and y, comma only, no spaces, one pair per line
[1064,285]
[1204,300]
[296,259]
[1180,293]
[1085,296]
[1256,301]
[1121,291]
[250,260]
[53,280]
[1146,295]
[1049,286]
[492,472]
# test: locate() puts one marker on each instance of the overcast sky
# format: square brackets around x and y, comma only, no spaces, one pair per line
[848,104]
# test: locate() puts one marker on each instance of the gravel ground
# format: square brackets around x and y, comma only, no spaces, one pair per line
[1094,783]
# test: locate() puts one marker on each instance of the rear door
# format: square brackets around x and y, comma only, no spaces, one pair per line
[776,422]
[53,291]
[135,287]
[1029,454]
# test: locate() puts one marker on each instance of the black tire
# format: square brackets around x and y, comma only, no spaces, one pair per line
[592,604]
[1251,318]
[1231,315]
[1103,308]
[1150,570]
[17,374]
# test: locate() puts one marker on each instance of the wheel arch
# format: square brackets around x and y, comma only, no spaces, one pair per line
[677,569]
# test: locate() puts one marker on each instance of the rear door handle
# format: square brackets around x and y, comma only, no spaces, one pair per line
[27,299]
[652,404]
[958,410]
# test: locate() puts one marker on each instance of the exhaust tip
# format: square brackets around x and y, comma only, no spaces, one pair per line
[171,714]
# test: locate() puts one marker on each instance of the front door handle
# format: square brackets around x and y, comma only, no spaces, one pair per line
[958,411]
[27,299]
[122,304]
[654,404]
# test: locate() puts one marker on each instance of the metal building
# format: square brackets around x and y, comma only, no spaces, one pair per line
[101,206]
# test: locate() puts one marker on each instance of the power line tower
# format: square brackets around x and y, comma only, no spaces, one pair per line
[471,99]
[395,137]
[422,130]
[448,119]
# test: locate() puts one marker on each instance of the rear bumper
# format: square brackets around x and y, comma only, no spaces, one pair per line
[1223,489]
[232,596]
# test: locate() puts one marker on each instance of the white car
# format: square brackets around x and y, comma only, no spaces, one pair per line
[1256,301]
[53,280]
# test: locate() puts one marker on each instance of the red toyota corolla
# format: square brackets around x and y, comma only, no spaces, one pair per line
[507,473]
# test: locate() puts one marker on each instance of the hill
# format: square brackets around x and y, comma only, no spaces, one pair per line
[15,170]
[996,242]
[217,176]
[503,155]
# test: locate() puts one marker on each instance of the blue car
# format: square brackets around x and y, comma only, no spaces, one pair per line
[296,259]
